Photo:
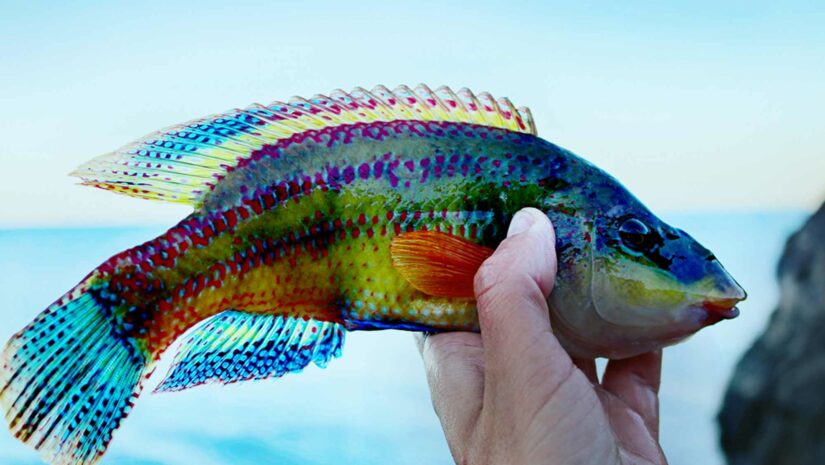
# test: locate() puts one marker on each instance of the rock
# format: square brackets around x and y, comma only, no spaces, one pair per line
[774,409]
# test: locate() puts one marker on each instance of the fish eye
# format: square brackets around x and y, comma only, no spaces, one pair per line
[635,234]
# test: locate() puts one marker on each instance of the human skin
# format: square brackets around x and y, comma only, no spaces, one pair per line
[512,395]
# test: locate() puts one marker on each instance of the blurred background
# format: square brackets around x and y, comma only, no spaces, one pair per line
[710,112]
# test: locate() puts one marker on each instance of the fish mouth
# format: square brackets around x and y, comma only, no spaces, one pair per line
[720,309]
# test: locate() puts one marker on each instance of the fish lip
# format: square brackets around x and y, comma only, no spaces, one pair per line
[720,309]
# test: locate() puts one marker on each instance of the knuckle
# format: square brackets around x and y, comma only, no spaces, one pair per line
[489,275]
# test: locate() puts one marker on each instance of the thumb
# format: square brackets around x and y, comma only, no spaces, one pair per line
[511,290]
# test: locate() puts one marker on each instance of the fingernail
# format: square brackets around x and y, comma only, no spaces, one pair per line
[521,222]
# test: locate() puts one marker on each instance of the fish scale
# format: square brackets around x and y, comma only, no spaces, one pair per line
[344,257]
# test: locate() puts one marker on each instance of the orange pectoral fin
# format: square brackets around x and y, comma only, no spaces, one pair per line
[438,264]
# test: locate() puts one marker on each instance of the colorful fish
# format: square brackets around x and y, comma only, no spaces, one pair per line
[354,211]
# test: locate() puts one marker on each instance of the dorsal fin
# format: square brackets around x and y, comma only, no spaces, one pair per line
[182,163]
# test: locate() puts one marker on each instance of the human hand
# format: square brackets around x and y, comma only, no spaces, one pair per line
[512,395]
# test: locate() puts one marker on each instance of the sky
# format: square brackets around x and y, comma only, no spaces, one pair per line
[694,106]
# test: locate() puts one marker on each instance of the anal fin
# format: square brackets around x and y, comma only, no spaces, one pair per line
[237,346]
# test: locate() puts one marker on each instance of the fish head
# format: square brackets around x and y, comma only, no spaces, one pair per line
[636,285]
[647,273]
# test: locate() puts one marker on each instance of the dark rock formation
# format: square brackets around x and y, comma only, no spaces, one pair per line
[774,409]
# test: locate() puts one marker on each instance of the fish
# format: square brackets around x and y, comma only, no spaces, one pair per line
[361,210]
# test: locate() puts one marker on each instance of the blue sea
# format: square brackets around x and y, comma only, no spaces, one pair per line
[372,405]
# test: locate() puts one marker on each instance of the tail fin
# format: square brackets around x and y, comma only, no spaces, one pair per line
[68,379]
